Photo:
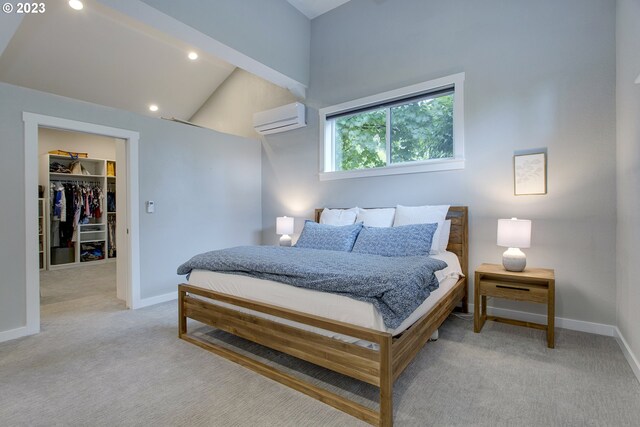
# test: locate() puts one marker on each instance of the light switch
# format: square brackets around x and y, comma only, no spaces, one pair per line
[151,206]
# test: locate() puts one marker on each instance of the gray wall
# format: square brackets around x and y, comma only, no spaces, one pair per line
[270,31]
[538,74]
[194,175]
[230,108]
[628,110]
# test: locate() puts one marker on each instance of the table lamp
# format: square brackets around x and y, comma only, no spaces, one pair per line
[514,234]
[284,226]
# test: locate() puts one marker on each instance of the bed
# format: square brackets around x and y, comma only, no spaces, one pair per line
[358,346]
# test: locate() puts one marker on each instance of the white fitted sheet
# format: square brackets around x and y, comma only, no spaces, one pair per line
[319,303]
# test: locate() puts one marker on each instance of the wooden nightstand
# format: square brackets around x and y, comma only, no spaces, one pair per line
[533,285]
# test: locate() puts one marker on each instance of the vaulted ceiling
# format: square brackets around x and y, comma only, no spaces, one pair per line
[100,56]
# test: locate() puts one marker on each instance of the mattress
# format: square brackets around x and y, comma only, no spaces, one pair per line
[332,306]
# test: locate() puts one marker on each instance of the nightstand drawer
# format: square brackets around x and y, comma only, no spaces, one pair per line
[517,291]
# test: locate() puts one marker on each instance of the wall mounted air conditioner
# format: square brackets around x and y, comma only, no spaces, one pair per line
[281,119]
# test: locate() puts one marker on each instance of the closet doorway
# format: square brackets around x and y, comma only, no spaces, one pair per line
[84,213]
[78,219]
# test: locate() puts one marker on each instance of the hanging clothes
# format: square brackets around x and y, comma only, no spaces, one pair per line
[73,204]
[111,200]
[66,226]
[55,195]
[59,202]
[112,236]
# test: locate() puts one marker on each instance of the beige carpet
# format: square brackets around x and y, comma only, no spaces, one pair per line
[97,364]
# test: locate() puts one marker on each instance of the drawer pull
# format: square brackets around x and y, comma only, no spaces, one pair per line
[512,287]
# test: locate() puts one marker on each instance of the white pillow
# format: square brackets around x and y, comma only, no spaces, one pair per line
[376,217]
[338,216]
[406,215]
[444,236]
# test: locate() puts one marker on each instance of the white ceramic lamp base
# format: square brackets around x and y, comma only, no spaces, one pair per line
[285,240]
[513,259]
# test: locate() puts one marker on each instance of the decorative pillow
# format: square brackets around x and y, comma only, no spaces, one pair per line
[328,237]
[444,236]
[406,215]
[338,216]
[406,240]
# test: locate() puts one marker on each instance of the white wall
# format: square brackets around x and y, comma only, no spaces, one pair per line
[270,31]
[194,175]
[230,108]
[98,147]
[628,111]
[538,74]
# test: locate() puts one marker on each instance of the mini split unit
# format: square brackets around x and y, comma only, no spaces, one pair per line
[281,119]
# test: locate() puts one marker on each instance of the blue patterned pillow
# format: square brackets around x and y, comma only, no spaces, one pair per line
[328,237]
[405,240]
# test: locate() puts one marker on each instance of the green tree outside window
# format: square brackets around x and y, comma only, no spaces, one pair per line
[420,130]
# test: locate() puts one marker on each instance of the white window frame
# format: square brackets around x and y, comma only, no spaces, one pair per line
[327,146]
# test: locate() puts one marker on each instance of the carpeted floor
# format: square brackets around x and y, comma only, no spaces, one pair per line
[97,364]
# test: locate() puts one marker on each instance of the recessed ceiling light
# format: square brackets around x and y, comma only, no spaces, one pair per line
[153,107]
[76,4]
[193,56]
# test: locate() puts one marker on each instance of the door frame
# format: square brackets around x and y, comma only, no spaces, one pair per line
[32,122]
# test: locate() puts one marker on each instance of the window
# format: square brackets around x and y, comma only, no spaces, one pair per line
[414,129]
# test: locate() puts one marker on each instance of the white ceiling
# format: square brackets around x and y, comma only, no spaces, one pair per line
[313,8]
[84,55]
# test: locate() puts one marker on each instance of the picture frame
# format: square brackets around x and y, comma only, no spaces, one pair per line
[530,174]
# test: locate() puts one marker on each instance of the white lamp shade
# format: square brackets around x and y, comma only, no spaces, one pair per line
[514,233]
[284,225]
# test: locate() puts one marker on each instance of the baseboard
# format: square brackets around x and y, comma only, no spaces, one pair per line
[12,334]
[561,322]
[146,302]
[628,354]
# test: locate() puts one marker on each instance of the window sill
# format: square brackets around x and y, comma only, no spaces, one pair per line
[433,166]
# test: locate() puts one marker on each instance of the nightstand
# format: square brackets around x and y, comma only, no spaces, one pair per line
[533,285]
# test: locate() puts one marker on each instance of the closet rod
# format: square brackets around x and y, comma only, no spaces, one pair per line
[57,181]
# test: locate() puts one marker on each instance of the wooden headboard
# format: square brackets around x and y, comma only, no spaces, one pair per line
[458,238]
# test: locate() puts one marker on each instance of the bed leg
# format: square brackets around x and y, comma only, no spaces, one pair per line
[465,298]
[465,303]
[386,383]
[182,319]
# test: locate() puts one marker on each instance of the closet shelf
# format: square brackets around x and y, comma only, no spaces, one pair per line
[75,175]
[82,159]
[93,231]
[92,241]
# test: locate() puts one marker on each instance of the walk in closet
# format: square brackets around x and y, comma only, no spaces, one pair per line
[77,219]
[80,209]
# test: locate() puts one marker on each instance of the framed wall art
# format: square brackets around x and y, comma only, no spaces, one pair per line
[530,174]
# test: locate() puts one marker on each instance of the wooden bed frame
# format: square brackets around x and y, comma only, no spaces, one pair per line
[377,367]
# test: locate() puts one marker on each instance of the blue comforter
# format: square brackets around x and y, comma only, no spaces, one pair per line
[396,286]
